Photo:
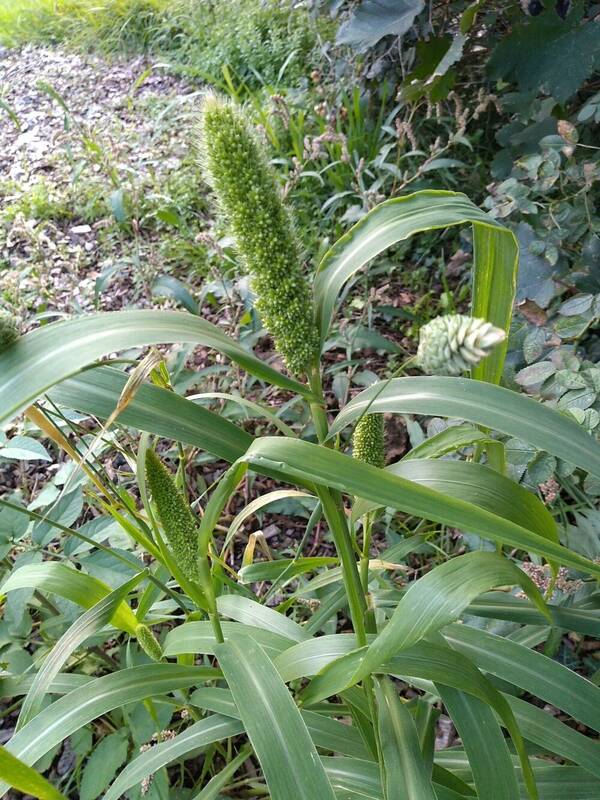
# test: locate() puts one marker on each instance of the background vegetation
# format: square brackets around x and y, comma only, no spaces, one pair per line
[356,102]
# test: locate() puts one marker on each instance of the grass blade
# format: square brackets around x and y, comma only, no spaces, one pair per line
[276,730]
[49,355]
[484,404]
[87,624]
[406,773]
[24,778]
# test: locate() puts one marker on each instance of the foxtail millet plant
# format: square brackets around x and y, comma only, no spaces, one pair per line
[237,168]
[176,517]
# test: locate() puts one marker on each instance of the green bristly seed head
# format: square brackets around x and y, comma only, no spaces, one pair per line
[9,331]
[176,517]
[148,642]
[368,441]
[453,344]
[237,168]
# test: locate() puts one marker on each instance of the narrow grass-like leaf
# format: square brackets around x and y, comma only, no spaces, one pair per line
[541,728]
[212,790]
[155,410]
[325,732]
[17,685]
[88,623]
[484,404]
[302,461]
[256,505]
[494,268]
[199,637]
[272,570]
[194,739]
[449,440]
[73,585]
[429,604]
[502,606]
[252,613]
[47,356]
[97,697]
[536,673]
[478,485]
[406,774]
[24,778]
[493,772]
[275,728]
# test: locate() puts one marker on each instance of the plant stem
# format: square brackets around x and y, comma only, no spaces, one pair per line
[336,519]
[333,510]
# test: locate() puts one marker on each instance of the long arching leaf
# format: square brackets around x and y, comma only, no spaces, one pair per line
[25,779]
[275,728]
[84,626]
[491,406]
[406,774]
[304,461]
[49,355]
[494,267]
[196,737]
[155,410]
[479,485]
[73,585]
[76,709]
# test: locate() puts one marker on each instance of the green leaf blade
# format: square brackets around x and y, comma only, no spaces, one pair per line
[276,730]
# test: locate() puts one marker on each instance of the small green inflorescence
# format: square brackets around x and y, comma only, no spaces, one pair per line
[148,642]
[236,166]
[368,441]
[453,344]
[9,330]
[178,521]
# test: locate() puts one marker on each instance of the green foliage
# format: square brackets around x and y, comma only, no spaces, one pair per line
[112,24]
[261,42]
[246,188]
[549,53]
[178,521]
[481,467]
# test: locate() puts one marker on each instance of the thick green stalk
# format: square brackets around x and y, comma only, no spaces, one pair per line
[336,519]
[333,510]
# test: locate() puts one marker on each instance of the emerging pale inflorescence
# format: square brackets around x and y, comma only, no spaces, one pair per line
[148,642]
[176,517]
[368,440]
[236,166]
[454,343]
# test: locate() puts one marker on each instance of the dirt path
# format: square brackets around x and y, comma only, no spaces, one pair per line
[84,145]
